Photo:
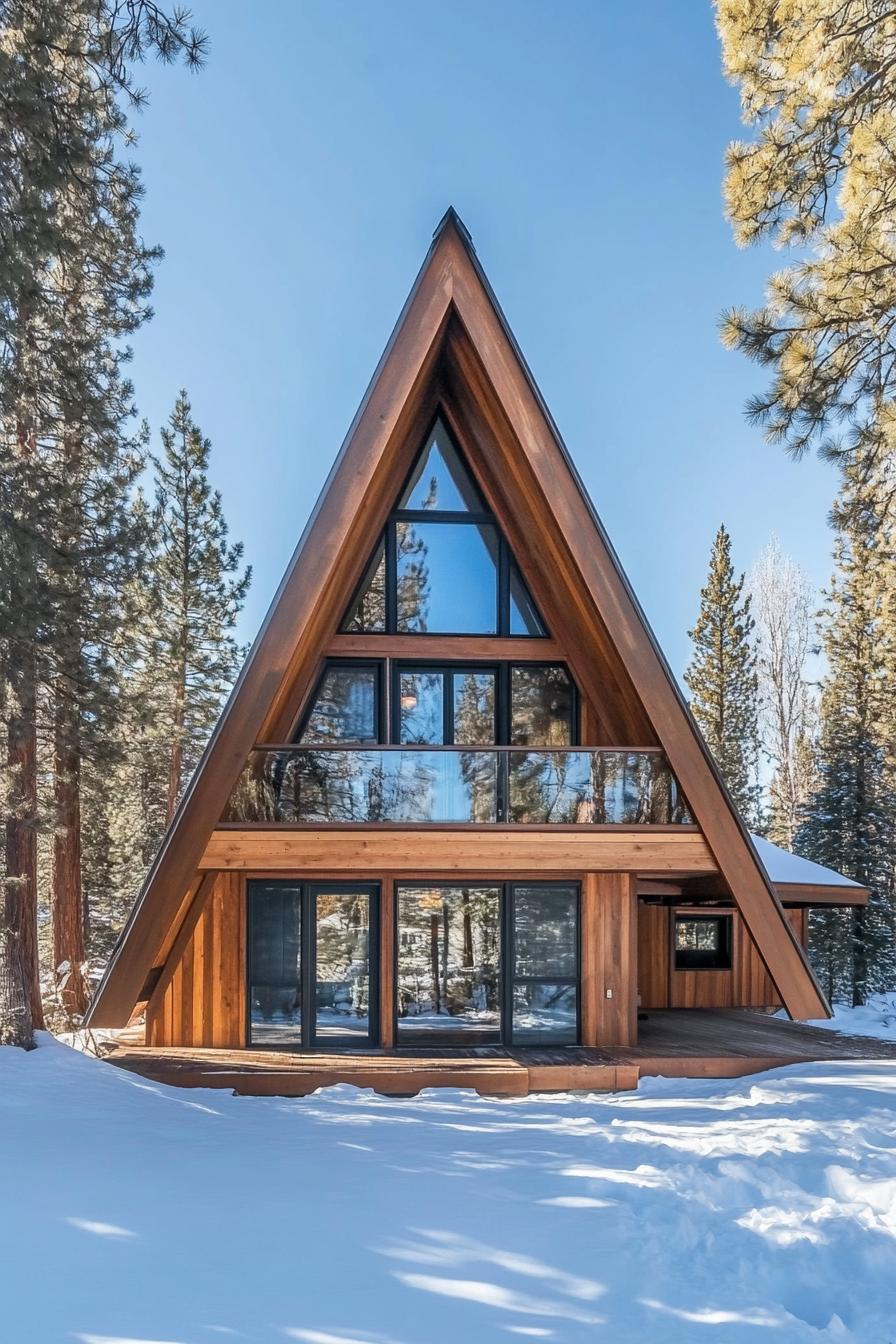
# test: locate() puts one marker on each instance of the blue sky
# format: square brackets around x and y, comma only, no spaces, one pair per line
[295,184]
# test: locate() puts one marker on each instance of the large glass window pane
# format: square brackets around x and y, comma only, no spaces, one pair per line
[440,482]
[275,964]
[342,965]
[346,708]
[421,707]
[474,708]
[545,964]
[541,706]
[447,578]
[524,619]
[374,786]
[545,937]
[448,958]
[544,1013]
[368,614]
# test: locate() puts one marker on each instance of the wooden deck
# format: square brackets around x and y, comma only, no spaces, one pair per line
[678,1044]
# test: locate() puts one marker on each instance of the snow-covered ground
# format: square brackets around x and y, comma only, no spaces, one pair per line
[875,1018]
[761,1209]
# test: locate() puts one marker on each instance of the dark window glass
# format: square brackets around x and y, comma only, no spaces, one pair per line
[346,707]
[368,613]
[545,964]
[448,958]
[474,708]
[421,707]
[342,964]
[447,578]
[541,707]
[440,482]
[524,619]
[544,1013]
[275,964]
[544,926]
[702,942]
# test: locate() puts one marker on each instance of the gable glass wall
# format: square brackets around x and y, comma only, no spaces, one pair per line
[442,565]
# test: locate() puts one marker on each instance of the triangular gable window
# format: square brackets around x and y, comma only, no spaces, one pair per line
[442,565]
[439,482]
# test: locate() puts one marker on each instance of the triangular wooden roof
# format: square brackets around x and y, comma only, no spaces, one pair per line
[452,349]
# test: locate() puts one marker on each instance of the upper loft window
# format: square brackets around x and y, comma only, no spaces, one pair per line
[442,566]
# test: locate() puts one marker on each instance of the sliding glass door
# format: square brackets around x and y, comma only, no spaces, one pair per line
[543,981]
[487,963]
[312,977]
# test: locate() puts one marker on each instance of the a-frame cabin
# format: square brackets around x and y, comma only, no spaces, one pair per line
[456,822]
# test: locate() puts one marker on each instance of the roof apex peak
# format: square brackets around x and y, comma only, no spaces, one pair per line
[451,217]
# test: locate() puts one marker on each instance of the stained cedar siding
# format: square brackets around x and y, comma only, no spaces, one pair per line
[746,984]
[201,1001]
[437,850]
[609,950]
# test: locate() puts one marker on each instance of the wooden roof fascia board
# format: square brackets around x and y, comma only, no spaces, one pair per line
[799,893]
[412,346]
[516,391]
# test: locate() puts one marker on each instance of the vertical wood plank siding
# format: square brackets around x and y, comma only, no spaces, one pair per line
[746,985]
[204,1001]
[609,959]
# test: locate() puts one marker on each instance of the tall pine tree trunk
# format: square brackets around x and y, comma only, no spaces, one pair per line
[15,1010]
[68,900]
[21,836]
[176,755]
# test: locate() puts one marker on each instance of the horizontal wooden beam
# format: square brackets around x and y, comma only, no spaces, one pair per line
[488,647]
[801,893]
[497,850]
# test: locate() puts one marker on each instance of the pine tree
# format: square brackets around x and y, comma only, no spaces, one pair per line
[198,593]
[73,283]
[849,822]
[722,678]
[782,599]
[816,84]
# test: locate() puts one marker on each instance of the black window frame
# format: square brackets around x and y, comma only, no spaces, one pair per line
[720,958]
[506,961]
[388,711]
[502,671]
[389,543]
[308,893]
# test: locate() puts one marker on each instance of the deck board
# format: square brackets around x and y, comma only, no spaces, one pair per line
[690,1043]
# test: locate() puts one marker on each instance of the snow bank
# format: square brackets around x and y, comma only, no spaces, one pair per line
[876,1018]
[760,1209]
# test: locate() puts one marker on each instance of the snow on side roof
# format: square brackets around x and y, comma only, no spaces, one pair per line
[782,866]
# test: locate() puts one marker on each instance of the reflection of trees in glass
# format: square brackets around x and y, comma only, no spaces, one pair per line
[412,580]
[550,787]
[474,723]
[342,952]
[448,956]
[368,616]
[416,785]
[541,706]
[345,707]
